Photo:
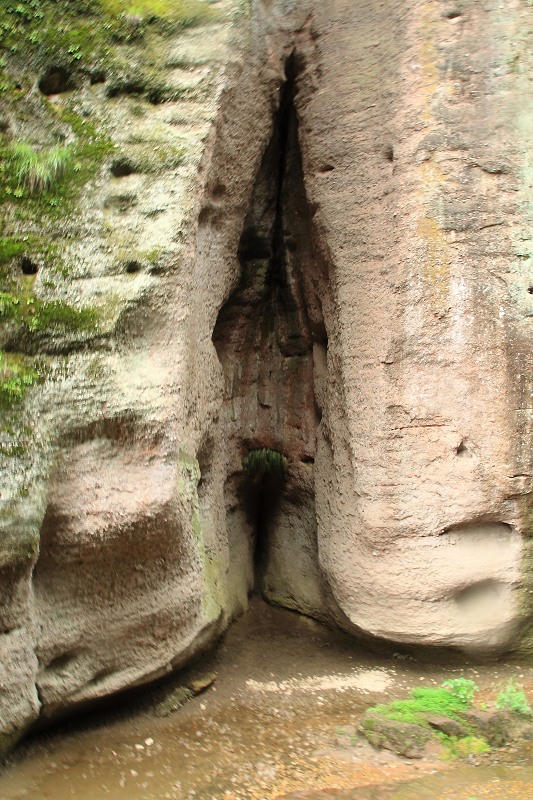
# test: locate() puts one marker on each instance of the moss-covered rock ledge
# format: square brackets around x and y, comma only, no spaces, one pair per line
[446,720]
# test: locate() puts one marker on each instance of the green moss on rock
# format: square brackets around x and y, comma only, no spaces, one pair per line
[17,376]
[36,316]
[78,33]
[10,249]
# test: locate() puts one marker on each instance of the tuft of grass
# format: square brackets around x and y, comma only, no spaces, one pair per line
[9,304]
[48,183]
[38,170]
[264,461]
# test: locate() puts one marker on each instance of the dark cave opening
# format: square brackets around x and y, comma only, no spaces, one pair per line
[265,336]
[262,492]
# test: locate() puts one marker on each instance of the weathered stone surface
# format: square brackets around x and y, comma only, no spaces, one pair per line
[328,255]
[446,725]
[423,469]
[495,726]
[402,738]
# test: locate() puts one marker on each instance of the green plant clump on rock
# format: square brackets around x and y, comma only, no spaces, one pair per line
[447,715]
[38,170]
[47,181]
[424,701]
[462,747]
[264,461]
[512,698]
[463,688]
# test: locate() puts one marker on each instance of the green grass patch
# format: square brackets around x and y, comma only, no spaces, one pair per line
[80,32]
[463,688]
[64,32]
[58,316]
[421,701]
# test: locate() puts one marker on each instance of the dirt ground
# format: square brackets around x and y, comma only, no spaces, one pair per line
[278,722]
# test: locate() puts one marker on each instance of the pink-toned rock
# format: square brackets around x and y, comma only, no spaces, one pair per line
[339,271]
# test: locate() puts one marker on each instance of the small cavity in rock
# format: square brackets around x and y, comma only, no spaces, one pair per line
[28,267]
[55,81]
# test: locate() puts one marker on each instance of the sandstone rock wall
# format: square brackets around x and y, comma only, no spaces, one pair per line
[311,236]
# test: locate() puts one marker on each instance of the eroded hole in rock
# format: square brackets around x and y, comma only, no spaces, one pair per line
[126,87]
[132,267]
[97,76]
[218,190]
[530,289]
[479,594]
[101,676]
[28,267]
[55,81]
[122,167]
[209,215]
[61,662]
[266,337]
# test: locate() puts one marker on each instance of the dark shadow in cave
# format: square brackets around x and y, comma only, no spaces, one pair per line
[265,334]
[261,497]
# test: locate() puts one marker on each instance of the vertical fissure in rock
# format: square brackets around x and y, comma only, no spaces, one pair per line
[265,336]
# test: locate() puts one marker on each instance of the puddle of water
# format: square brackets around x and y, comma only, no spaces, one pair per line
[459,783]
[277,721]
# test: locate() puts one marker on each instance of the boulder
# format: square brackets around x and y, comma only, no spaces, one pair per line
[403,738]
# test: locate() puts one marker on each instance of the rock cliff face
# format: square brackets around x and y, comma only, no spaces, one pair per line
[297,231]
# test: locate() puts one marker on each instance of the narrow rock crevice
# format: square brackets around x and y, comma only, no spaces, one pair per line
[267,336]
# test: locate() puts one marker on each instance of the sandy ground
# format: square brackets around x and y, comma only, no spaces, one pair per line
[278,722]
